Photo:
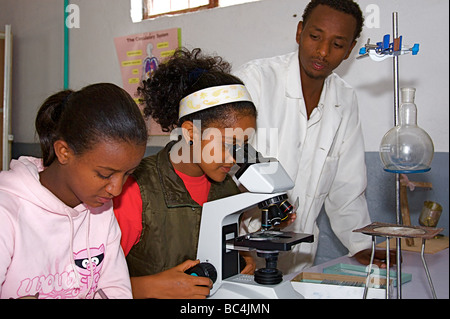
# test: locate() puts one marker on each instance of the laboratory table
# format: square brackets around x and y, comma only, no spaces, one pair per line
[418,287]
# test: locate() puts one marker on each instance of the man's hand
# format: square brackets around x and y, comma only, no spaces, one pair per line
[250,265]
[379,259]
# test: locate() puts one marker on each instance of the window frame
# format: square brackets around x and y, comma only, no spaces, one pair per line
[146,15]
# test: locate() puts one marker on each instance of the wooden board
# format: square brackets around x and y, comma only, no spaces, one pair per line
[344,280]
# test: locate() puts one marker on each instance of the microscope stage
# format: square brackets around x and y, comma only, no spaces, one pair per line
[271,240]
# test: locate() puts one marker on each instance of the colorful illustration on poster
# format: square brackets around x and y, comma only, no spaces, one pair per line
[150,63]
[139,56]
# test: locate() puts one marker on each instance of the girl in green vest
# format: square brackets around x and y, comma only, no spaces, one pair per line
[208,111]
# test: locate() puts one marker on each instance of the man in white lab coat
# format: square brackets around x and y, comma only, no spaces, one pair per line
[320,141]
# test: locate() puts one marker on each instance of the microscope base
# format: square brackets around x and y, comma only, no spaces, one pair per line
[244,287]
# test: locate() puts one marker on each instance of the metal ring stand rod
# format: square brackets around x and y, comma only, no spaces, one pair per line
[427,272]
[397,176]
[369,271]
[372,255]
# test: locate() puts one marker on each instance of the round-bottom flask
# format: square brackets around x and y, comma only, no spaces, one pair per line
[406,148]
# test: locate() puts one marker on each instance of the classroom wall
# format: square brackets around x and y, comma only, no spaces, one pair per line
[238,33]
[241,33]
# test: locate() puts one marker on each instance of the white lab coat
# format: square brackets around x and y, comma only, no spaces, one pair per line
[328,166]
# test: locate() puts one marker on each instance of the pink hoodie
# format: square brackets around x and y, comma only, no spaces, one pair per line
[45,245]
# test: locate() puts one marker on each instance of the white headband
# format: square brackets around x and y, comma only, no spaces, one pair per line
[213,96]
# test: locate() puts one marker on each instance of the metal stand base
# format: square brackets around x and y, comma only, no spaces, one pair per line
[388,295]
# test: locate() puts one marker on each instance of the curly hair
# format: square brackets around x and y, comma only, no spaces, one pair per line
[182,74]
[346,6]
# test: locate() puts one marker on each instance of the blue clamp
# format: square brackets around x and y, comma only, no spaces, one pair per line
[385,44]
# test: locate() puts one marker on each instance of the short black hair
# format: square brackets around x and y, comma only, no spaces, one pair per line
[346,6]
[98,112]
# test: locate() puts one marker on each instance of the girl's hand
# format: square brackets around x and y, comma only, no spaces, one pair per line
[173,283]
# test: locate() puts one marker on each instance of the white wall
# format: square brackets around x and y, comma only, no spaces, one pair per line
[238,33]
[37,69]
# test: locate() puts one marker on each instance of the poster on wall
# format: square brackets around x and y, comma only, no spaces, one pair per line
[139,55]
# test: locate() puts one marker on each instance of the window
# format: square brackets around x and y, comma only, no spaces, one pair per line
[154,8]
[146,9]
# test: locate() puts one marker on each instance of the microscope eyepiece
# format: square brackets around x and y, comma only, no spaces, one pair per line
[245,154]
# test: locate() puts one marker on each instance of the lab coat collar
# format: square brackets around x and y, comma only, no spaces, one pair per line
[331,118]
[293,83]
[331,121]
[326,142]
[329,103]
[329,99]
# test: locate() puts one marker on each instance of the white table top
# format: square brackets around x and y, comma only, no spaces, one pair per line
[418,287]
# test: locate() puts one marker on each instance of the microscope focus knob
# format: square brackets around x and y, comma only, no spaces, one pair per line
[203,270]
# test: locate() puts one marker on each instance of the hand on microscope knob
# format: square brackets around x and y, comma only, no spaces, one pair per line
[191,264]
[204,269]
[179,285]
[172,283]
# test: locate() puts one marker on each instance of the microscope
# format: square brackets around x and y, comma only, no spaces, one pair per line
[266,183]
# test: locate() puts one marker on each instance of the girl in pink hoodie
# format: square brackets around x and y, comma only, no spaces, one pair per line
[58,234]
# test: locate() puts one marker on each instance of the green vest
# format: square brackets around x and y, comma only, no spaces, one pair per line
[170,217]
